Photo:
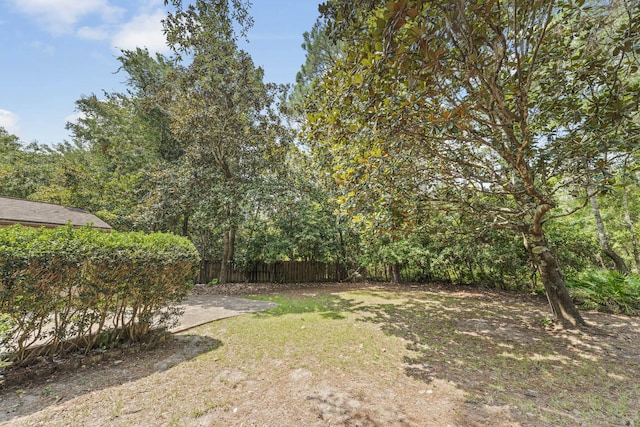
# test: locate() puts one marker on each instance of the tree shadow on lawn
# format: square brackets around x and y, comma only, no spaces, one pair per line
[71,378]
[502,350]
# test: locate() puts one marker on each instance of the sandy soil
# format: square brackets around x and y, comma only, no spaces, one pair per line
[199,378]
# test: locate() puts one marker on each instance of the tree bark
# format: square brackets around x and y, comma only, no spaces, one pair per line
[228,242]
[226,246]
[185,225]
[232,243]
[630,226]
[562,306]
[603,238]
[395,274]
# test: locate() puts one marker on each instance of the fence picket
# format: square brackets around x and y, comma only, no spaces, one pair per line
[278,272]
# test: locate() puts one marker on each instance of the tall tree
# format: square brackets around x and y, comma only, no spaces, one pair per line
[106,168]
[322,54]
[503,103]
[149,79]
[293,219]
[223,111]
[603,236]
[24,169]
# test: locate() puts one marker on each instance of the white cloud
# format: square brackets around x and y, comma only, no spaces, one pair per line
[60,16]
[44,47]
[143,31]
[74,117]
[92,33]
[149,5]
[9,120]
[101,20]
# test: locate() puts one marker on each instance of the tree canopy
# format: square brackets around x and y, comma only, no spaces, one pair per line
[490,107]
[436,138]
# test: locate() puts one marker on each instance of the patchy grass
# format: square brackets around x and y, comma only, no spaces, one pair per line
[327,305]
[501,351]
[369,357]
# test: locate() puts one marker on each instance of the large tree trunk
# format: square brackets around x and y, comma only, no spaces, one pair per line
[224,265]
[564,310]
[395,273]
[603,238]
[232,243]
[630,226]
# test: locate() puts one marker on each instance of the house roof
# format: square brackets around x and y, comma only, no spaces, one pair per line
[38,214]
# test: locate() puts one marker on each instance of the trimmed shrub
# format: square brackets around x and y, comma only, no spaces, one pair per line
[66,289]
[607,290]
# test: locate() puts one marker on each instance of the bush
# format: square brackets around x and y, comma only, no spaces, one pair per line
[458,254]
[65,288]
[607,290]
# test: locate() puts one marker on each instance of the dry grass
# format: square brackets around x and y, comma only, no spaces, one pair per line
[366,358]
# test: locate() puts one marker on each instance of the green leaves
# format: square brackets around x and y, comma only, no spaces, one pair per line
[486,95]
[65,283]
[607,290]
[490,109]
[24,169]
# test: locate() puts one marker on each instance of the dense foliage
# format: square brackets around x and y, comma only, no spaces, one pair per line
[68,288]
[607,290]
[438,137]
[490,109]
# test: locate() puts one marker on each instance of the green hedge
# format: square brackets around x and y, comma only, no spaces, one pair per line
[66,289]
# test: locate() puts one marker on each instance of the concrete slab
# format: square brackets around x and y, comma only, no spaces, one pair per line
[202,309]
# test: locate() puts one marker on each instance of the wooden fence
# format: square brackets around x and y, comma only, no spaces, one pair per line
[278,272]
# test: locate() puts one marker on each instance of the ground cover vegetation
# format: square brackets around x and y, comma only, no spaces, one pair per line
[438,137]
[393,355]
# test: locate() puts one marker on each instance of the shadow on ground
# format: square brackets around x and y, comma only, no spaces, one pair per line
[113,368]
[499,348]
[503,351]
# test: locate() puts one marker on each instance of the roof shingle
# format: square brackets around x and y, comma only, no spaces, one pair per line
[39,214]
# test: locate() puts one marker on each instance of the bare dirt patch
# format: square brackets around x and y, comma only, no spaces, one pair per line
[358,356]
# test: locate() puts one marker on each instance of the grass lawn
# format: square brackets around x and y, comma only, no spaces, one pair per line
[371,357]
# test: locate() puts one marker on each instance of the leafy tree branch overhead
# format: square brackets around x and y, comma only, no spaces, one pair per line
[435,136]
[502,104]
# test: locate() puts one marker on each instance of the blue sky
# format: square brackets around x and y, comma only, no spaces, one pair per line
[55,51]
